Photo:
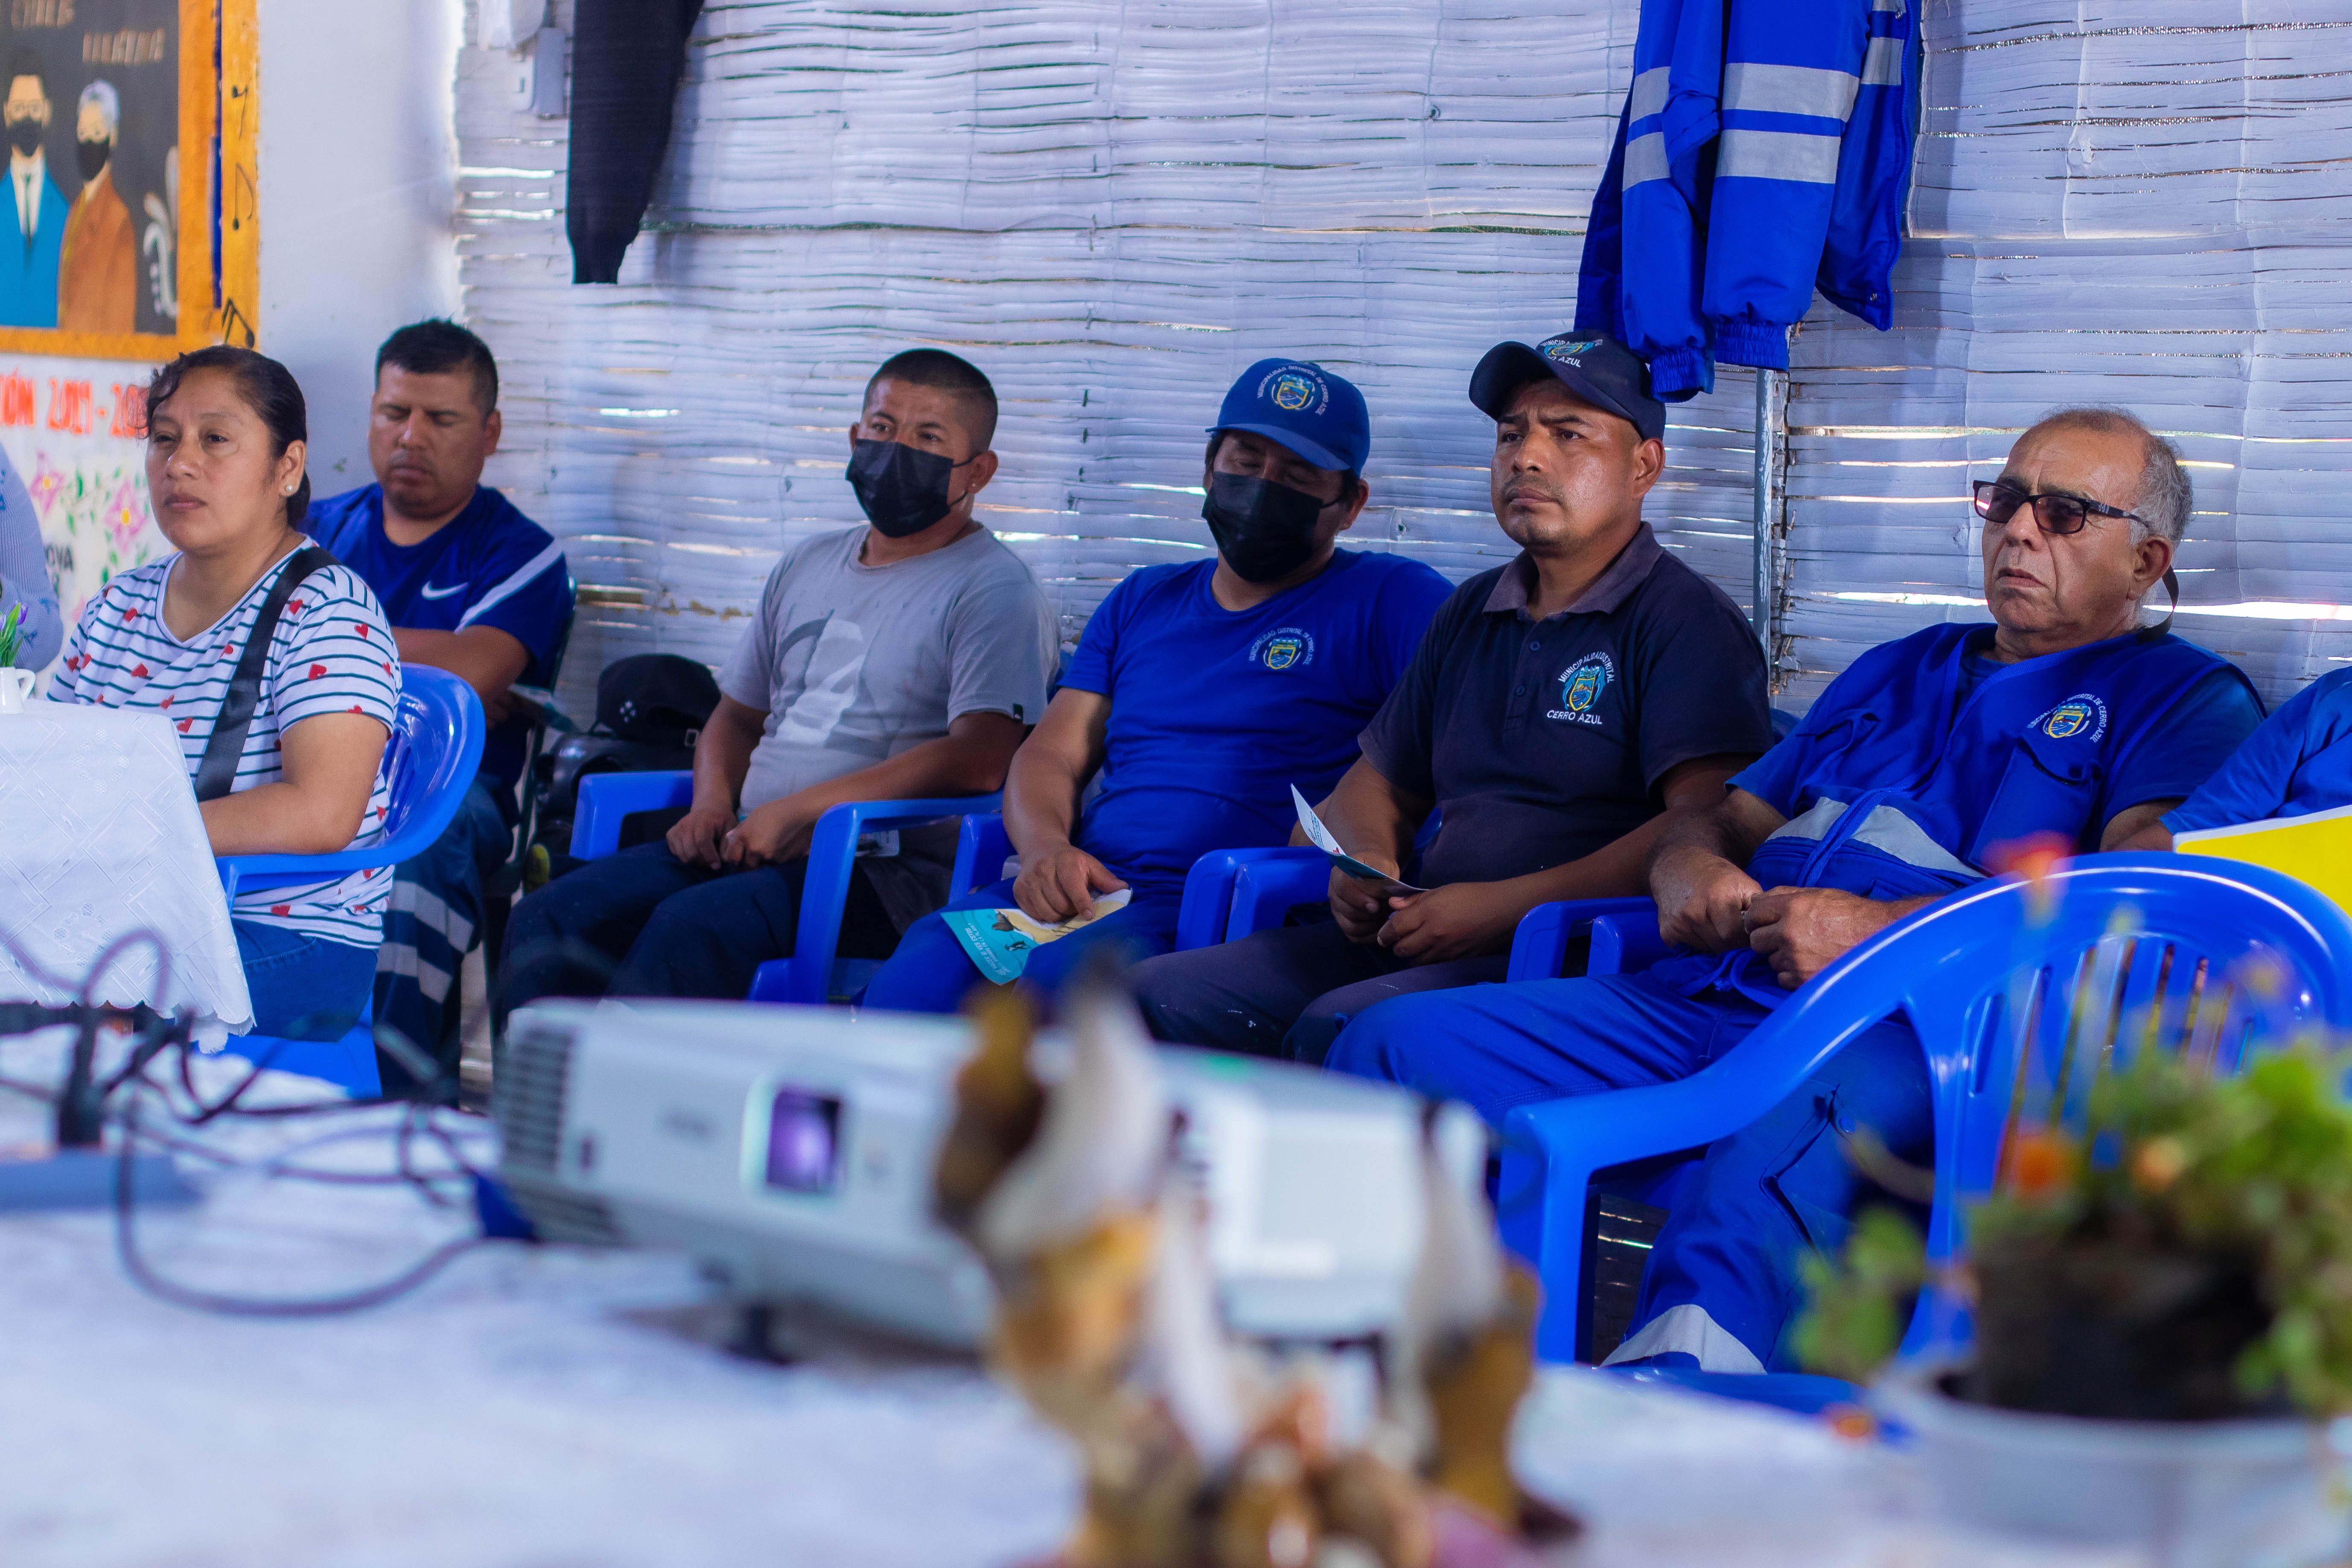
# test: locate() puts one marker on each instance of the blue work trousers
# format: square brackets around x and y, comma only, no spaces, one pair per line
[1286,992]
[304,987]
[644,923]
[930,972]
[1722,1283]
[431,922]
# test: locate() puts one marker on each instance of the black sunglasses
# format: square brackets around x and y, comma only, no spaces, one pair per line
[1997,503]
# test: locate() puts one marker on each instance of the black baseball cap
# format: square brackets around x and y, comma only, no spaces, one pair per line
[1602,370]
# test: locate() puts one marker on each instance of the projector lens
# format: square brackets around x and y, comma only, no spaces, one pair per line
[803,1142]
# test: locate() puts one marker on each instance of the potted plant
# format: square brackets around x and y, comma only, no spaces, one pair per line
[2162,1304]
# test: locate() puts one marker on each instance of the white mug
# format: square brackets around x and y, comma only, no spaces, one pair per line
[15,689]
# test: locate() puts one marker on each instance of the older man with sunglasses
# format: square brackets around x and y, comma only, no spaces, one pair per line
[1916,773]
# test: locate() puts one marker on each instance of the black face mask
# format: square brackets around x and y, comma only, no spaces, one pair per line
[1265,531]
[92,156]
[902,490]
[25,135]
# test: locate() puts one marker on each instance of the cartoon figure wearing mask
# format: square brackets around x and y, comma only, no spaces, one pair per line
[98,274]
[28,269]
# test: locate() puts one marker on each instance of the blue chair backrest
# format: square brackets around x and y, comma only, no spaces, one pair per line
[429,763]
[431,758]
[435,752]
[2207,960]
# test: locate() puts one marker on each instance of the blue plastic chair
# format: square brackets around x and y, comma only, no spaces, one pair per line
[2130,957]
[812,975]
[431,760]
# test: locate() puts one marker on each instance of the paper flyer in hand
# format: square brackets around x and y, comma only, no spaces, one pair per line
[2314,849]
[1000,940]
[1320,836]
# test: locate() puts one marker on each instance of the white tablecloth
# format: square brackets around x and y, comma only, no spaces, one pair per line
[522,1411]
[100,836]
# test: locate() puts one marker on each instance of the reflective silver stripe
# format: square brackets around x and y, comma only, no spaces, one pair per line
[1772,155]
[1888,829]
[1814,822]
[1645,159]
[1885,829]
[1791,90]
[1689,1329]
[1893,6]
[1883,67]
[1650,90]
[431,914]
[399,958]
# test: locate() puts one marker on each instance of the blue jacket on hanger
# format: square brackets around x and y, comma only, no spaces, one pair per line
[1789,129]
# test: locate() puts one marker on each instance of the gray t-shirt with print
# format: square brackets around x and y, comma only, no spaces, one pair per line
[854,664]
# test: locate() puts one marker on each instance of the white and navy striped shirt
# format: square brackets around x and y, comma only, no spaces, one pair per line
[332,653]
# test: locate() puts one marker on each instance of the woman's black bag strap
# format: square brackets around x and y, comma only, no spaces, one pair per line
[217,774]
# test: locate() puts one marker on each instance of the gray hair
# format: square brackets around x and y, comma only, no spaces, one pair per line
[108,101]
[2165,493]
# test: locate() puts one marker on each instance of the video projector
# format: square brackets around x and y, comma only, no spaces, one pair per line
[789,1151]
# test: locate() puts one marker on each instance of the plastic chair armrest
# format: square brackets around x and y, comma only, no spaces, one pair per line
[1539,944]
[1201,917]
[1266,887]
[833,851]
[981,848]
[605,799]
[772,981]
[1626,944]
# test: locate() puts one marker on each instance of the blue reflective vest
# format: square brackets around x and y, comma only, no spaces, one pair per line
[1762,149]
[1896,786]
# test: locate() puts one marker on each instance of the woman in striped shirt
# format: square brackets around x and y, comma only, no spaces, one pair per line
[226,434]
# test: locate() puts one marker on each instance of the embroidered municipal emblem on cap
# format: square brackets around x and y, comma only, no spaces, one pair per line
[1291,647]
[2079,713]
[1580,686]
[1293,392]
[1570,353]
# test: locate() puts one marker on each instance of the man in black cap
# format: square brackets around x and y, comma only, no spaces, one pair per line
[1560,710]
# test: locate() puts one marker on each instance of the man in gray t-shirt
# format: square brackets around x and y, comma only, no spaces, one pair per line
[903,659]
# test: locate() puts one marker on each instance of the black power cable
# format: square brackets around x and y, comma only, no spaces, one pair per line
[83,1100]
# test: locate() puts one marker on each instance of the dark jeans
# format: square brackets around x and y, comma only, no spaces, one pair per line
[644,923]
[1285,992]
[304,987]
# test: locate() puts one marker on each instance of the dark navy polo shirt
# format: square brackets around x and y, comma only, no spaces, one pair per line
[1543,741]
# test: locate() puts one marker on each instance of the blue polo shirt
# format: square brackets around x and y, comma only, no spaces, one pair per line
[2298,762]
[487,566]
[1541,742]
[1216,713]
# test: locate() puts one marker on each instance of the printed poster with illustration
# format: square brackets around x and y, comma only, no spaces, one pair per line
[108,235]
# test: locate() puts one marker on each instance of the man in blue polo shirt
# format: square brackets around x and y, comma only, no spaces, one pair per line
[1906,782]
[472,586]
[1561,709]
[1200,694]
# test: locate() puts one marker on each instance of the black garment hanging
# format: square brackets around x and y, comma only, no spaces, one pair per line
[626,57]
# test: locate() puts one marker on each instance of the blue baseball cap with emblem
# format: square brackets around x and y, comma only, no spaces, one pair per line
[1303,406]
[1602,370]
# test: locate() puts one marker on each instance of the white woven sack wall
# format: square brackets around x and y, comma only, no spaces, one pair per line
[1112,209]
[2130,202]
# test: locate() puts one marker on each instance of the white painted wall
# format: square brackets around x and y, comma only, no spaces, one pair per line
[358,166]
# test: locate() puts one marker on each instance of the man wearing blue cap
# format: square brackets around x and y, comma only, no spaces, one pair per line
[1561,711]
[1200,694]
